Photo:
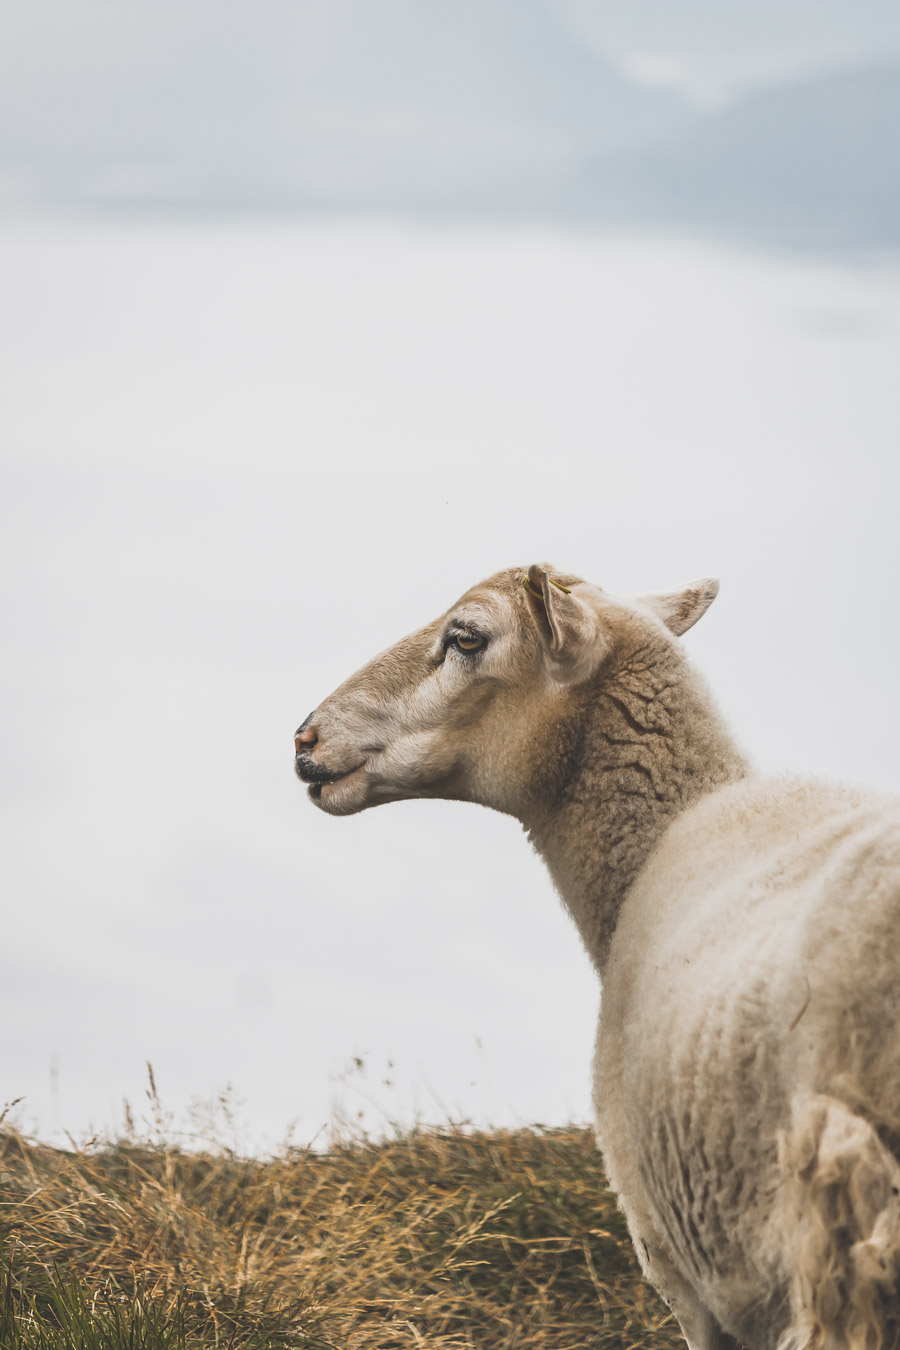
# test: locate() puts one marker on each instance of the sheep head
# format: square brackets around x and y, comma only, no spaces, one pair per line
[461,708]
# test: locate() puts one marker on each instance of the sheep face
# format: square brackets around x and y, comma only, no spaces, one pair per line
[455,709]
[483,704]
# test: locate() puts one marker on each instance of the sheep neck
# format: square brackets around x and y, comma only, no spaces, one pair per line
[634,752]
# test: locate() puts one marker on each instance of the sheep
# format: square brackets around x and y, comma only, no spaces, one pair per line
[745,932]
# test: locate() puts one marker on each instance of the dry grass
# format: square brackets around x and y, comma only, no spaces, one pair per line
[436,1240]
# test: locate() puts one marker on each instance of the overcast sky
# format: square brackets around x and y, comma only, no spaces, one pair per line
[712,51]
[704,46]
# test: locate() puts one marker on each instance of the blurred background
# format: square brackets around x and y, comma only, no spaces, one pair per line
[312,313]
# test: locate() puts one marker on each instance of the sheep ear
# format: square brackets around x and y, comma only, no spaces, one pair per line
[680,610]
[574,644]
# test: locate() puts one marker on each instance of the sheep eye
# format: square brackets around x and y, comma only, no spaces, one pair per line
[468,642]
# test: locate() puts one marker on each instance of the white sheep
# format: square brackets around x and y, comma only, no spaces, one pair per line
[746,932]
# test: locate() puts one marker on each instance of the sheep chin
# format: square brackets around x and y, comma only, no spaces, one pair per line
[343,797]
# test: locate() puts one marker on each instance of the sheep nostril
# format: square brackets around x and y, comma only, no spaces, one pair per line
[305,738]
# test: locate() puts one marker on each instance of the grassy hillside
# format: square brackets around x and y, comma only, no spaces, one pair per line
[436,1240]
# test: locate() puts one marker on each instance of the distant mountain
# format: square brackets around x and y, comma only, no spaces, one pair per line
[816,163]
[447,107]
[325,103]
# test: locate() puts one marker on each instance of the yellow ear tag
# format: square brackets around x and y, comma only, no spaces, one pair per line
[539,595]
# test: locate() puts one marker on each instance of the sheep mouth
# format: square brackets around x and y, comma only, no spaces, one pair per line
[324,780]
[309,770]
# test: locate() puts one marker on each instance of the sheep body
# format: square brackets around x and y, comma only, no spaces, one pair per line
[738,992]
